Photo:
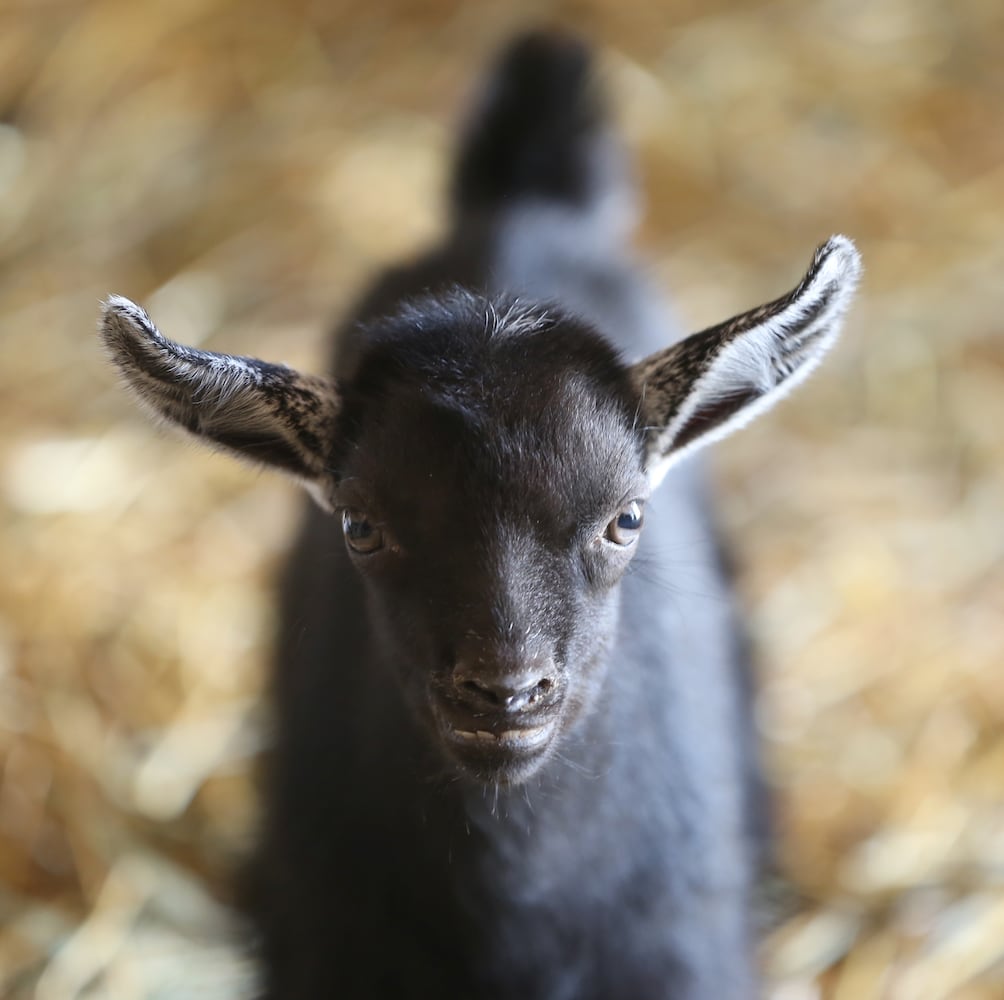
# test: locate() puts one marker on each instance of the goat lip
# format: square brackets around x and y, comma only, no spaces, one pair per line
[512,734]
[523,739]
[491,743]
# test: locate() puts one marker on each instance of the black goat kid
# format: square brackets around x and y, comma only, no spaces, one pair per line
[509,762]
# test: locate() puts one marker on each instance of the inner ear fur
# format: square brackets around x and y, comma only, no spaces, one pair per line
[712,382]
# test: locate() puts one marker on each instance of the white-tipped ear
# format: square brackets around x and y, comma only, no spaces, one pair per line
[264,413]
[713,382]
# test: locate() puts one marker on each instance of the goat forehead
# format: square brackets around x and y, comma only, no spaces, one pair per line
[553,450]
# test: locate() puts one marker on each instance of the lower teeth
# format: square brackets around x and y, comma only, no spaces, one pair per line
[484,736]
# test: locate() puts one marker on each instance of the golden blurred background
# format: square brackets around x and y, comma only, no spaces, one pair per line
[241,168]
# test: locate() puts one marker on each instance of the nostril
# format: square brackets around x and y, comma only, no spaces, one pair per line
[480,692]
[511,696]
[526,695]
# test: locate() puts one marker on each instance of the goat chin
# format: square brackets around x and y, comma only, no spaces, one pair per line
[499,751]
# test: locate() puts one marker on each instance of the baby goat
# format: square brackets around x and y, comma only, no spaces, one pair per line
[513,759]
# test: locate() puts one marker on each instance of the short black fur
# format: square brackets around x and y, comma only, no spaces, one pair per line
[536,129]
[493,439]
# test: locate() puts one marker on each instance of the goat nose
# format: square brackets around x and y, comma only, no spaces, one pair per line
[511,693]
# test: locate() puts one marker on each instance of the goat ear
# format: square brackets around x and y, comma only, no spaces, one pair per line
[713,382]
[264,413]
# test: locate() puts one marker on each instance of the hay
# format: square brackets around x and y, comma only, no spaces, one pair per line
[241,168]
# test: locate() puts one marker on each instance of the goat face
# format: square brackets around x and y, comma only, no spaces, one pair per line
[491,468]
[491,482]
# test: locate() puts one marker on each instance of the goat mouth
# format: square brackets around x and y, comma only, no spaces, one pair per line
[490,743]
[526,739]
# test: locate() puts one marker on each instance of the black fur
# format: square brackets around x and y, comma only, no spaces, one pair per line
[496,440]
[536,131]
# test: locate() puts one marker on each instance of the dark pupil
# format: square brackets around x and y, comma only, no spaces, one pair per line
[358,529]
[629,520]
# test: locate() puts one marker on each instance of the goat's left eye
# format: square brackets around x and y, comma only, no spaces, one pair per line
[625,527]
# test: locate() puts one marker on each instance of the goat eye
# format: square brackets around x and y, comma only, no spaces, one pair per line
[360,533]
[624,528]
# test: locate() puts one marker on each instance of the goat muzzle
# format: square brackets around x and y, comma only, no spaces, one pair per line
[499,722]
[529,690]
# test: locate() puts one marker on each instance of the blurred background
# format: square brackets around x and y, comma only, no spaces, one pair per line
[241,167]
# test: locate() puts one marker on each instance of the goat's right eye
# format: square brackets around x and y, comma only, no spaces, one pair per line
[360,533]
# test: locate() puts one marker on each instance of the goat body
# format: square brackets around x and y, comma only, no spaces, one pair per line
[514,754]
